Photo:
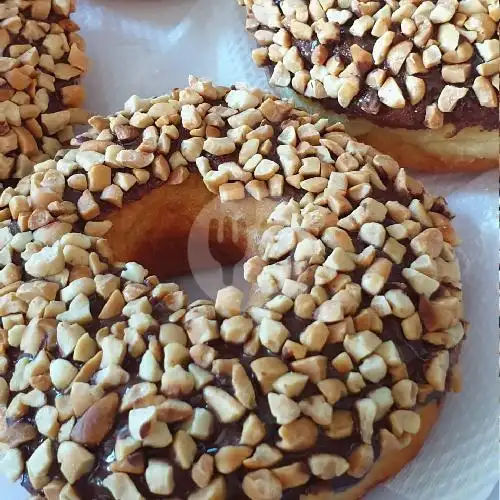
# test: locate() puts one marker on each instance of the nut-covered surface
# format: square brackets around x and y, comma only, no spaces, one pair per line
[398,63]
[114,385]
[42,60]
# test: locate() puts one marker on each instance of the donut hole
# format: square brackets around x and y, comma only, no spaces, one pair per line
[175,230]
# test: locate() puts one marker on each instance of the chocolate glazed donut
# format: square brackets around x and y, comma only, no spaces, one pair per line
[418,82]
[115,385]
[40,95]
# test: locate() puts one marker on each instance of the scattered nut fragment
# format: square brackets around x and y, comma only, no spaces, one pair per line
[200,425]
[120,485]
[405,393]
[62,372]
[428,242]
[272,334]
[184,449]
[404,421]
[485,92]
[373,368]
[224,406]
[176,381]
[437,369]
[219,146]
[96,422]
[401,304]
[262,484]
[264,456]
[230,458]
[12,464]
[433,117]
[293,475]
[327,466]
[341,426]
[291,384]
[449,97]
[361,344]
[360,460]
[140,421]
[228,301]
[243,388]
[315,367]
[46,421]
[315,336]
[367,410]
[284,409]
[390,94]
[75,461]
[298,435]
[318,409]
[159,477]
[202,470]
[267,370]
[39,463]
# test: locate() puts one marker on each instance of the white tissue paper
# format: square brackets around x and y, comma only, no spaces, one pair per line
[147,47]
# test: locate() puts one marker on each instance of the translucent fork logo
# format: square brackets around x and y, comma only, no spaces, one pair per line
[215,233]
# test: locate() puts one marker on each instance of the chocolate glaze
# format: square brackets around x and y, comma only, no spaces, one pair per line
[467,113]
[413,353]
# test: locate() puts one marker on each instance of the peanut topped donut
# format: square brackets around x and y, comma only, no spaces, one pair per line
[114,385]
[40,96]
[394,68]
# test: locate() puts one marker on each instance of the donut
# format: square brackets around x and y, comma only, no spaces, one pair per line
[115,385]
[417,80]
[42,61]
